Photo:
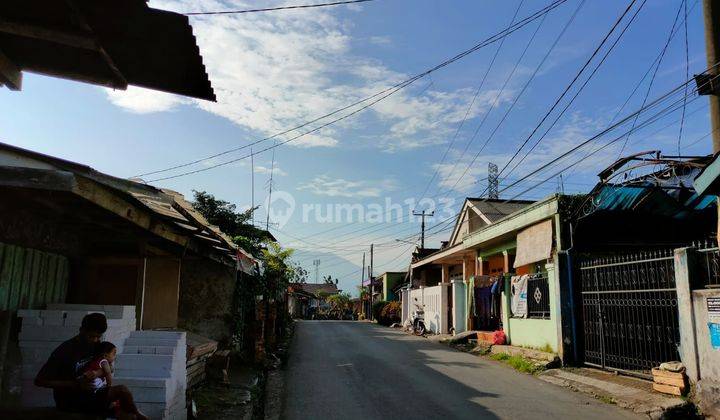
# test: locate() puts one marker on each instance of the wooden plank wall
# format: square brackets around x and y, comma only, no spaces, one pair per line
[30,278]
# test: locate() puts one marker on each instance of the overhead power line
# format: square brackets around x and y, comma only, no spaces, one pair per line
[521,92]
[587,63]
[371,99]
[272,9]
[472,102]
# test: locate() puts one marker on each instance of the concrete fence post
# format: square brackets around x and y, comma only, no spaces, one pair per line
[684,264]
[555,312]
[443,309]
[459,306]
[506,309]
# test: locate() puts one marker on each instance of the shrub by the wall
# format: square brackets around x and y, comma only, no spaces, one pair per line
[390,313]
[377,309]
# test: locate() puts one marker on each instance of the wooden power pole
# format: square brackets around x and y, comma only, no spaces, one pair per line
[370,274]
[711,13]
[362,280]
[422,226]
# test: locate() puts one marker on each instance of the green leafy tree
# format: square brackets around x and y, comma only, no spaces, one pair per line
[231,222]
[339,300]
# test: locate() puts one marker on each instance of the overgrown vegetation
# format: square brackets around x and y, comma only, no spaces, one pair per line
[279,270]
[377,308]
[390,314]
[518,362]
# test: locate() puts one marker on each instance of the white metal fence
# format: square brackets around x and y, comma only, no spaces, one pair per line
[434,300]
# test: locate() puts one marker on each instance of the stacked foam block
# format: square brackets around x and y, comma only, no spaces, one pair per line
[42,331]
[153,366]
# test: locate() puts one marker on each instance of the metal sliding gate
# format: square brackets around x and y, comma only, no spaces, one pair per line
[630,313]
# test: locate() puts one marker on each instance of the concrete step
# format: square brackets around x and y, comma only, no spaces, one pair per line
[630,393]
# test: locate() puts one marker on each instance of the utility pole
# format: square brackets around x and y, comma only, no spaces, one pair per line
[316,263]
[362,280]
[370,273]
[272,170]
[252,187]
[422,226]
[711,13]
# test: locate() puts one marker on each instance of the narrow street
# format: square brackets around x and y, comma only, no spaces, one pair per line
[353,370]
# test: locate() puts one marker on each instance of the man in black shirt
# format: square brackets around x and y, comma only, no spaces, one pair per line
[63,372]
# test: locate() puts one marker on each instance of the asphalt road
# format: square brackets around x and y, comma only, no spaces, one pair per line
[357,370]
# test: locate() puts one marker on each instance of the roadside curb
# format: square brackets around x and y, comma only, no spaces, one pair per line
[635,398]
[273,392]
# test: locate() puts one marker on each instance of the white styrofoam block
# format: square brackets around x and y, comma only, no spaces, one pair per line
[165,335]
[28,313]
[156,411]
[143,382]
[76,307]
[141,373]
[152,395]
[149,350]
[44,344]
[30,371]
[149,342]
[45,333]
[35,355]
[52,313]
[33,396]
[145,361]
[55,321]
[32,320]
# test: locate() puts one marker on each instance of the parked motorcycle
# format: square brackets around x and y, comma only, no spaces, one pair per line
[418,319]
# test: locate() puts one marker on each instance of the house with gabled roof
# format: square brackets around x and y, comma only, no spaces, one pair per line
[467,283]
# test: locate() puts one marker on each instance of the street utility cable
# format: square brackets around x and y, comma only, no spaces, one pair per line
[386,92]
[474,98]
[272,9]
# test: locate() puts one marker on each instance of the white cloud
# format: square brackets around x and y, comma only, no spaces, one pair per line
[274,71]
[575,129]
[144,101]
[259,169]
[338,187]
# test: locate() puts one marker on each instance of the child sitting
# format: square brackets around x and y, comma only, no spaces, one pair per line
[100,369]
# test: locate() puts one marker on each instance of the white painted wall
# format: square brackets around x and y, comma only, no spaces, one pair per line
[435,301]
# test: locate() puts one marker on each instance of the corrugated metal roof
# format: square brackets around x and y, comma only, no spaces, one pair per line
[111,43]
[167,204]
[649,200]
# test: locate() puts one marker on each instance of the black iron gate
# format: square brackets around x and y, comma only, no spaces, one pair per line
[630,314]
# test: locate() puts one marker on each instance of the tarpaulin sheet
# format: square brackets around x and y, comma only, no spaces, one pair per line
[534,244]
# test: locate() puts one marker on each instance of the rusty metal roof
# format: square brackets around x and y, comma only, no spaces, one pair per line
[167,204]
[113,43]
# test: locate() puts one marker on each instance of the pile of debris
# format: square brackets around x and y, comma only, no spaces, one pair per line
[199,351]
[670,378]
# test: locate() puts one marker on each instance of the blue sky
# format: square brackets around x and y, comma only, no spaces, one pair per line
[272,71]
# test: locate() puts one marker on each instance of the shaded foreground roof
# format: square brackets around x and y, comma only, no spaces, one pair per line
[168,205]
[113,43]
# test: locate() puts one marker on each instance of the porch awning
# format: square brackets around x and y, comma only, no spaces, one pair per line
[534,244]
